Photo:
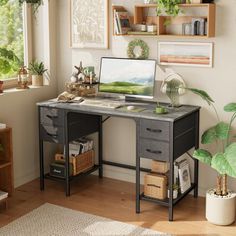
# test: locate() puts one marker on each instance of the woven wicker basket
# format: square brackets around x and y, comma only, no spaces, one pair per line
[81,163]
[81,90]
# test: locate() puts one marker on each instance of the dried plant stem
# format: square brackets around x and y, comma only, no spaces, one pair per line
[224,185]
[218,185]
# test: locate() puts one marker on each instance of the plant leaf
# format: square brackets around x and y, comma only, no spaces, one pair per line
[204,95]
[225,163]
[222,130]
[209,136]
[231,107]
[203,156]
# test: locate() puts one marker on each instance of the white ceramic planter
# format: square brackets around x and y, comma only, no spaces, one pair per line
[37,80]
[220,210]
[175,193]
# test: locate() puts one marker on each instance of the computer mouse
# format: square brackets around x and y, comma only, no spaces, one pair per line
[130,108]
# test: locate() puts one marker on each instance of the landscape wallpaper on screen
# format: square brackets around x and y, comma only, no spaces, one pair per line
[131,77]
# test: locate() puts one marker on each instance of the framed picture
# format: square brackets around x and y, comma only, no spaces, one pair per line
[89,24]
[185,54]
[184,178]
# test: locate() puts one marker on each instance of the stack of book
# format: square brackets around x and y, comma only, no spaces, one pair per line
[121,22]
[80,146]
[182,175]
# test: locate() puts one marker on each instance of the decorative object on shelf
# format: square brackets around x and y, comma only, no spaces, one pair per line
[138,49]
[37,70]
[148,1]
[173,86]
[34,3]
[185,54]
[187,28]
[194,1]
[23,78]
[89,24]
[1,86]
[175,191]
[220,202]
[199,26]
[151,28]
[184,177]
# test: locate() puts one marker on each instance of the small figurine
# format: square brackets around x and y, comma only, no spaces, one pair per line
[23,77]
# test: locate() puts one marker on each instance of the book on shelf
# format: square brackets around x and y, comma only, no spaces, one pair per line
[3,195]
[122,22]
[184,177]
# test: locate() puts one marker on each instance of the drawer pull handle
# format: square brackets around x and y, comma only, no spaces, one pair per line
[51,117]
[154,130]
[153,185]
[52,135]
[154,152]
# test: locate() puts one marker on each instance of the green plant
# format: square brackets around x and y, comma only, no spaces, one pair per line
[37,68]
[224,159]
[34,3]
[170,7]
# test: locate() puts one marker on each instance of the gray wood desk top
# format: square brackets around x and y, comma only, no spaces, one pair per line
[172,115]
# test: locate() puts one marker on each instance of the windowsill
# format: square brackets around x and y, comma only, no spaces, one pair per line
[15,90]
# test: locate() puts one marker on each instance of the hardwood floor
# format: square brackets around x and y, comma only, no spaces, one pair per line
[116,200]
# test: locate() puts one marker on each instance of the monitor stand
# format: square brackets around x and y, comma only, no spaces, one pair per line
[138,99]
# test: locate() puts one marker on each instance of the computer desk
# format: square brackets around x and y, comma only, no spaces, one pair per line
[158,137]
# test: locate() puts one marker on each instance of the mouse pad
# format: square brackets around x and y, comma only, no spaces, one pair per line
[136,109]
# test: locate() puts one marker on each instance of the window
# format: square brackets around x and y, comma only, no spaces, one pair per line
[13,36]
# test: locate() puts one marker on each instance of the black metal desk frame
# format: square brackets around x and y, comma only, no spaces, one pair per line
[181,125]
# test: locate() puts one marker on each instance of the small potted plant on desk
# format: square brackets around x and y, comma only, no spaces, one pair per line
[220,202]
[37,70]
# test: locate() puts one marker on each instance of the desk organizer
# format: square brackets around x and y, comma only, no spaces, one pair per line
[155,186]
[80,163]
[81,89]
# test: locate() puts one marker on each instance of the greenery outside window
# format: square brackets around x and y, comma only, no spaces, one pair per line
[14,38]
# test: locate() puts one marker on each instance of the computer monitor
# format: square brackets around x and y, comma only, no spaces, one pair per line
[129,77]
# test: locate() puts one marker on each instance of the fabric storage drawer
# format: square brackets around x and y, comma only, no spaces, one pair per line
[51,133]
[154,129]
[155,150]
[51,116]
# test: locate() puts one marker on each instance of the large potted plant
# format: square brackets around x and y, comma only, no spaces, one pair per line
[220,202]
[37,70]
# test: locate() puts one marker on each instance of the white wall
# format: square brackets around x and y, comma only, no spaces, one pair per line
[119,134]
[19,111]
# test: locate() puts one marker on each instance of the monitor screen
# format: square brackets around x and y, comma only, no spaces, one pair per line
[127,76]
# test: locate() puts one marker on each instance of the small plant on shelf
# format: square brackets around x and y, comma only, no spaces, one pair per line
[170,7]
[223,160]
[37,69]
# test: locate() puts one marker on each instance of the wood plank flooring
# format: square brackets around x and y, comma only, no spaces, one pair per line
[116,200]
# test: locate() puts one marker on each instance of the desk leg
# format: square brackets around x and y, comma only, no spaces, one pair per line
[196,167]
[171,191]
[66,148]
[137,184]
[196,162]
[41,160]
[100,147]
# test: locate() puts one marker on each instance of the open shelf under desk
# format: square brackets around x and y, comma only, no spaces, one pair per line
[165,202]
[95,168]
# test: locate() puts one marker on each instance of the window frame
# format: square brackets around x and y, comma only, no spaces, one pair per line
[27,35]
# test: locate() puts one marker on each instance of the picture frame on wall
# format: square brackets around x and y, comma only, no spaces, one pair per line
[89,26]
[185,54]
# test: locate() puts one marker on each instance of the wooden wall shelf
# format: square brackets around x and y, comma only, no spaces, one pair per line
[140,17]
[6,161]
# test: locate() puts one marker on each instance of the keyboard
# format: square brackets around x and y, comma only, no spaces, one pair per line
[101,103]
